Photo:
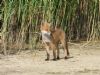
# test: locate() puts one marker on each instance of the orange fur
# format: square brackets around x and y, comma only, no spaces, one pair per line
[57,35]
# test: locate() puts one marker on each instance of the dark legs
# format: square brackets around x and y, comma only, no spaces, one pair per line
[65,46]
[47,51]
[54,54]
[58,52]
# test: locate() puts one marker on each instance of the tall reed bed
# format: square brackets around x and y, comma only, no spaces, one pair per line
[21,18]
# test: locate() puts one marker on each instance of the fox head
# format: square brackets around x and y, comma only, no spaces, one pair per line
[45,26]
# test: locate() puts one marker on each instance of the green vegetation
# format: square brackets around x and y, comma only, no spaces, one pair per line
[21,18]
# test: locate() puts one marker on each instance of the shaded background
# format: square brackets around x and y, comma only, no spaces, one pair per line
[19,19]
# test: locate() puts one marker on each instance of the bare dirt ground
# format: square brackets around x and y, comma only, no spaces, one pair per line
[82,61]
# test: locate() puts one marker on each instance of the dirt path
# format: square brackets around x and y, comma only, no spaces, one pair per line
[84,61]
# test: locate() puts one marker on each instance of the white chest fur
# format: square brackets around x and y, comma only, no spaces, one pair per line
[46,36]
